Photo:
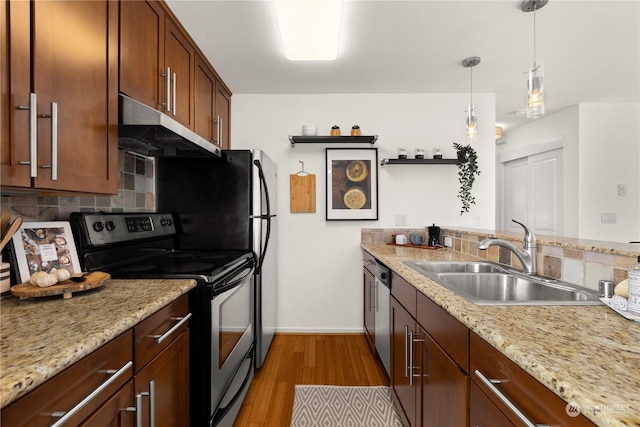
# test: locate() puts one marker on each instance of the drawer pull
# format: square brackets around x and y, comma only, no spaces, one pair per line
[490,384]
[65,416]
[33,135]
[182,321]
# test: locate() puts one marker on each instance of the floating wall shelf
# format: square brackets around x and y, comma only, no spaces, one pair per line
[418,162]
[332,140]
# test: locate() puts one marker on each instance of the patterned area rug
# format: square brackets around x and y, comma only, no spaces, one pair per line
[333,406]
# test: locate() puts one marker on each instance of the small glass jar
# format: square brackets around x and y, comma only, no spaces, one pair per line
[355,130]
[437,153]
[419,153]
[335,130]
[402,153]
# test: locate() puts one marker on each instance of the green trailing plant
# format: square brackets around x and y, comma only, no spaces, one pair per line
[467,172]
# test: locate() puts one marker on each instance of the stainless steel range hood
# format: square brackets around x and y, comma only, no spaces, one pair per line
[152,133]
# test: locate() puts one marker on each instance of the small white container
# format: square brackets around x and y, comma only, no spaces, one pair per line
[308,130]
[5,277]
[401,239]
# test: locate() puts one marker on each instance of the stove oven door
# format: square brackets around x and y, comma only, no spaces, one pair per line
[231,342]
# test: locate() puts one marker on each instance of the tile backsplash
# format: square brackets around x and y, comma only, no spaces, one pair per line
[580,262]
[135,194]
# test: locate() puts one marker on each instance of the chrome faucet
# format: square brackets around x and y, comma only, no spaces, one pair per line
[527,255]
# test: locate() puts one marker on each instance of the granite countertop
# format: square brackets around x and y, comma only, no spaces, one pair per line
[584,354]
[41,337]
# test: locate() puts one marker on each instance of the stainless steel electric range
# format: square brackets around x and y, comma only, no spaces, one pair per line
[142,246]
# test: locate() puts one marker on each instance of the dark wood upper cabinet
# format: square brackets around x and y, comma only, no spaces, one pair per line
[61,117]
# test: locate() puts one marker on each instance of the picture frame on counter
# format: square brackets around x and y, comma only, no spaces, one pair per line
[351,184]
[44,246]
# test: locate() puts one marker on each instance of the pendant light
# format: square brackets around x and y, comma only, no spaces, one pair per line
[535,78]
[472,111]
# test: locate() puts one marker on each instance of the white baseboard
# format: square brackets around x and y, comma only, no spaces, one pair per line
[320,330]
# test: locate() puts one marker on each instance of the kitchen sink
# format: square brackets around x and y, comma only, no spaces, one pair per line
[485,283]
[438,267]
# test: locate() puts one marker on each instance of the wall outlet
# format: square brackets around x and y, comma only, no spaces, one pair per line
[447,241]
[622,190]
[401,219]
[608,218]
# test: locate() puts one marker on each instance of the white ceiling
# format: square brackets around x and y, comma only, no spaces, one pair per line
[590,49]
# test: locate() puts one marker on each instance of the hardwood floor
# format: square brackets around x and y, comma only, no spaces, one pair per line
[306,359]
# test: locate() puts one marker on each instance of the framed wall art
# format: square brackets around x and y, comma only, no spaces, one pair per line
[352,184]
[44,246]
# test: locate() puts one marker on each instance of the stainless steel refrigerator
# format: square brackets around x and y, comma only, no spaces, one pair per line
[228,204]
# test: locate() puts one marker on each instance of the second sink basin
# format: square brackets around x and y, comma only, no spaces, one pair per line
[485,283]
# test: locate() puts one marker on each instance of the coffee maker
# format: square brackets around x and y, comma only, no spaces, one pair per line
[434,235]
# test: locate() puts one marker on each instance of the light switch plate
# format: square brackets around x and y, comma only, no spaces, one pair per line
[447,241]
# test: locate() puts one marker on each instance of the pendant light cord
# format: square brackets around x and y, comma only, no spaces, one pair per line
[535,8]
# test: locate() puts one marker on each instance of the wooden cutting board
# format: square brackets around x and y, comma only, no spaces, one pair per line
[66,288]
[303,193]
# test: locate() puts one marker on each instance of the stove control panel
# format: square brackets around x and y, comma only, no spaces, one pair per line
[106,228]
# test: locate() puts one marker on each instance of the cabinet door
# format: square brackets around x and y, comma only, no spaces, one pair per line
[166,380]
[369,307]
[205,104]
[444,387]
[75,47]
[483,413]
[405,390]
[118,411]
[15,86]
[142,52]
[223,114]
[179,58]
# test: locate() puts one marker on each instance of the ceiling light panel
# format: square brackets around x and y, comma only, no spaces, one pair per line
[310,29]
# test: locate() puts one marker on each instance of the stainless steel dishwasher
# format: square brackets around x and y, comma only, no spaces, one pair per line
[382,314]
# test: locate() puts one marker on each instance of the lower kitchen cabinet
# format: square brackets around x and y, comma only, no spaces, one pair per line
[156,351]
[429,387]
[444,386]
[162,365]
[405,391]
[102,372]
[164,385]
[500,380]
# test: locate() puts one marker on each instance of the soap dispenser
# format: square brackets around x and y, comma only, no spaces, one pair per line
[634,287]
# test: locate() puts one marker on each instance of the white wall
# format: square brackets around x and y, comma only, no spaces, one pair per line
[602,148]
[319,262]
[609,152]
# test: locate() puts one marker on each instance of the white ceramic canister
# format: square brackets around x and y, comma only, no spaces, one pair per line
[5,277]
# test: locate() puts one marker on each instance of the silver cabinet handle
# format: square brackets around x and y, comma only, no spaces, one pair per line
[406,351]
[174,82]
[513,408]
[54,141]
[33,135]
[137,409]
[152,403]
[167,86]
[410,357]
[64,416]
[220,130]
[375,297]
[217,138]
[182,321]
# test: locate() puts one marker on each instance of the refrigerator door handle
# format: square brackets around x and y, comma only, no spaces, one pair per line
[263,183]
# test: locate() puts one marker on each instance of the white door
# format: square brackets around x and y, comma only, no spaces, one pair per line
[532,193]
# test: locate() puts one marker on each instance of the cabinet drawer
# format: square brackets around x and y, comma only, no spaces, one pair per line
[155,333]
[368,261]
[109,366]
[535,401]
[483,412]
[404,292]
[450,334]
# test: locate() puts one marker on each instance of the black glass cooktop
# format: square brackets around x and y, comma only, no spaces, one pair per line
[199,265]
